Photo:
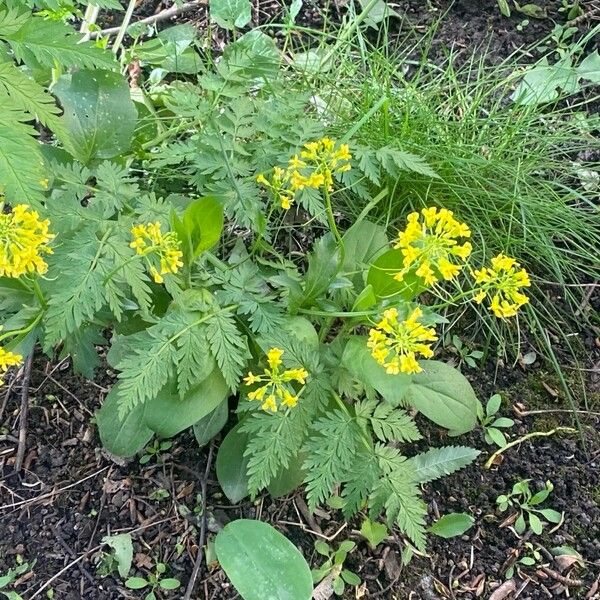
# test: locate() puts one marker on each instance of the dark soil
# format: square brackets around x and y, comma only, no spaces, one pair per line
[71,495]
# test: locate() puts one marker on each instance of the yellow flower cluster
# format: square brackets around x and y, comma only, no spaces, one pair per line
[395,344]
[313,168]
[7,360]
[24,239]
[429,244]
[276,383]
[502,282]
[149,241]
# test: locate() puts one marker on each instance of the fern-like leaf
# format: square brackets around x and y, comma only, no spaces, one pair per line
[437,462]
[50,42]
[25,94]
[228,346]
[393,424]
[330,453]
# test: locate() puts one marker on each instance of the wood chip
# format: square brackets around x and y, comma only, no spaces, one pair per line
[505,590]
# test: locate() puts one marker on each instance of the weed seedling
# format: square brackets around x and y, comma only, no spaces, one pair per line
[531,558]
[154,450]
[8,580]
[525,502]
[463,352]
[154,581]
[334,566]
[491,424]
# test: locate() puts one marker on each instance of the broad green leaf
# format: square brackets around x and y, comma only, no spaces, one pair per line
[230,14]
[381,277]
[123,437]
[452,525]
[303,330]
[99,115]
[504,7]
[358,360]
[203,222]
[169,583]
[232,465]
[288,479]
[589,68]
[365,300]
[167,414]
[496,436]
[493,405]
[444,396]
[209,425]
[363,243]
[123,551]
[261,563]
[437,462]
[551,515]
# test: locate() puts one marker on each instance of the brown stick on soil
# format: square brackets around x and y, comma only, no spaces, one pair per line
[23,413]
[198,563]
[174,11]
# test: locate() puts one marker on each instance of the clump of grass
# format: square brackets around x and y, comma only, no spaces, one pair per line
[512,172]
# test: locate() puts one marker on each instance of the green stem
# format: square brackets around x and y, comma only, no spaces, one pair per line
[520,440]
[333,225]
[39,294]
[25,330]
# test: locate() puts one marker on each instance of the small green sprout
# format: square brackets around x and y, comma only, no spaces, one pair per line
[154,450]
[154,581]
[12,575]
[334,566]
[492,424]
[525,502]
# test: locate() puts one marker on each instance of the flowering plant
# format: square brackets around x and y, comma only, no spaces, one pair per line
[207,300]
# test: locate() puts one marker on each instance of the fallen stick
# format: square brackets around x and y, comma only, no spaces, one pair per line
[199,556]
[163,15]
[23,413]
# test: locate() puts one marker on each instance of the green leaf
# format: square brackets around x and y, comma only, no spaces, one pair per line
[493,405]
[393,424]
[504,7]
[231,14]
[496,436]
[21,165]
[167,414]
[551,515]
[169,583]
[393,160]
[232,465]
[28,95]
[535,523]
[123,551]
[363,243]
[261,563]
[323,266]
[381,277]
[358,360]
[452,525]
[437,462]
[122,436]
[136,583]
[203,222]
[210,425]
[99,115]
[288,478]
[374,532]
[53,42]
[503,422]
[589,68]
[532,10]
[444,396]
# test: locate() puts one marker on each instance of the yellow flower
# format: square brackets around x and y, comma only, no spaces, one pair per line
[7,360]
[395,344]
[161,251]
[501,282]
[276,385]
[24,239]
[278,186]
[428,244]
[322,159]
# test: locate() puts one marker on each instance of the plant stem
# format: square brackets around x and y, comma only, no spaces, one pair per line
[520,440]
[333,225]
[124,26]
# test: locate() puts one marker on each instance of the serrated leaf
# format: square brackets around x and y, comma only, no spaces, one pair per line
[231,14]
[394,159]
[437,462]
[452,525]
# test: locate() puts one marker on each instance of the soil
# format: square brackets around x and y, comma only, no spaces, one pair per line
[71,493]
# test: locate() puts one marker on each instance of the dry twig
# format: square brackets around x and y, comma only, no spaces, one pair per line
[23,413]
